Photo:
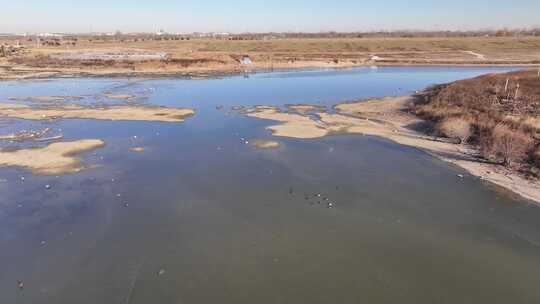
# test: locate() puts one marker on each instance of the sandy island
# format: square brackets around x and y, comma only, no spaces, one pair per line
[120,112]
[54,159]
[389,118]
[126,97]
[265,144]
[46,99]
[137,149]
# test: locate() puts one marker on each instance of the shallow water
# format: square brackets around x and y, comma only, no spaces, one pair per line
[210,219]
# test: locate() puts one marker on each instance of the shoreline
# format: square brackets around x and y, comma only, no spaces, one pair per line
[29,73]
[389,118]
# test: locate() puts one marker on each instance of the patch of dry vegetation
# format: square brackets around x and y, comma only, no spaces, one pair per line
[507,145]
[305,108]
[500,113]
[456,128]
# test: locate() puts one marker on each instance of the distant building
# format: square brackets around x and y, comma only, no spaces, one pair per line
[269,37]
[50,35]
[220,35]
[160,32]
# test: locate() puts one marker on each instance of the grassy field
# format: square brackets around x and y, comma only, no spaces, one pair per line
[485,44]
[491,46]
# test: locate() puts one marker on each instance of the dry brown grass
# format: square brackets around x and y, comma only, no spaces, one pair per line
[489,45]
[504,119]
[516,93]
[527,122]
[507,145]
[455,128]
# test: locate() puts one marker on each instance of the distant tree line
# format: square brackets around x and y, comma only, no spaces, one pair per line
[118,36]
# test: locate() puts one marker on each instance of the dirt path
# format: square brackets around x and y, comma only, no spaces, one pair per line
[477,55]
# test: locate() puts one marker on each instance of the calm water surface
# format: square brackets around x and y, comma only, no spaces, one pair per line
[210,219]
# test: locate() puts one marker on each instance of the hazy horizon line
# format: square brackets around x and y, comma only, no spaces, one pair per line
[404,30]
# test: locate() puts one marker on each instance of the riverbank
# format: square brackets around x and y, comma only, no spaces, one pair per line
[392,119]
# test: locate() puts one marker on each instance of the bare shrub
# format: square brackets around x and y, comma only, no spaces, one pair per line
[508,145]
[455,128]
[504,126]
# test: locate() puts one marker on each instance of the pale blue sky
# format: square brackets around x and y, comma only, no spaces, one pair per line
[261,16]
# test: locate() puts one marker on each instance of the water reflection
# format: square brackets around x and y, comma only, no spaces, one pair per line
[202,217]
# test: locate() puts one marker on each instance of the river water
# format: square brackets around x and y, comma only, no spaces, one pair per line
[201,217]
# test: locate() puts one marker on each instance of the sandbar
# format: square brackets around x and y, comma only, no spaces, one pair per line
[54,159]
[127,97]
[265,144]
[137,149]
[117,112]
